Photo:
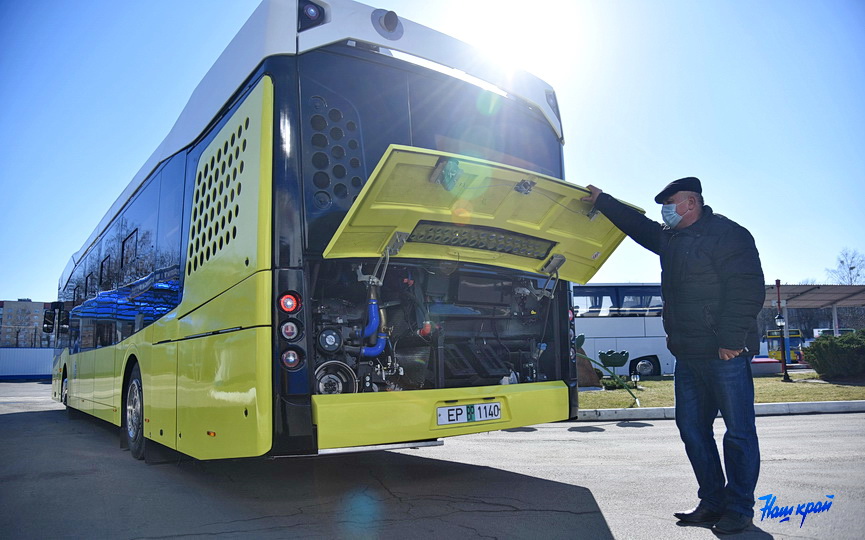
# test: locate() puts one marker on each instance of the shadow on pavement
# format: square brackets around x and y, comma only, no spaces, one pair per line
[76,470]
[632,424]
[586,429]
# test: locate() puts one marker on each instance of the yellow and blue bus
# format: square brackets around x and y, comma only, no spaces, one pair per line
[793,341]
[355,236]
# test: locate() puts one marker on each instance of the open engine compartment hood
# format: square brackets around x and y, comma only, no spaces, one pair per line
[426,204]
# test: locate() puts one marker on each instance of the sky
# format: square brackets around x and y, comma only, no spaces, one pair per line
[763,101]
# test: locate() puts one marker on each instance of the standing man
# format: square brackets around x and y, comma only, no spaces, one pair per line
[712,286]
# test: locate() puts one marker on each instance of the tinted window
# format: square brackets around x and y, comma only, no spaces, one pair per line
[136,264]
[168,229]
[594,301]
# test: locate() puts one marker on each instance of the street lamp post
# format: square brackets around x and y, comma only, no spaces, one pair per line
[781,323]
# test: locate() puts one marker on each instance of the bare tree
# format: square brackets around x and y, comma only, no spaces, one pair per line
[850,269]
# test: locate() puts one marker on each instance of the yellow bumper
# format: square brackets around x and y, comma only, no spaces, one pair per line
[374,418]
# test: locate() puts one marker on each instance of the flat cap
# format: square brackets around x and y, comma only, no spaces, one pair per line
[682,184]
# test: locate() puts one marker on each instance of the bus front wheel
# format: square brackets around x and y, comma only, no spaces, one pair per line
[133,420]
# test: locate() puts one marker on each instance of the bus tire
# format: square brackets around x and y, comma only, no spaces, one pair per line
[133,418]
[646,366]
[64,391]
[64,397]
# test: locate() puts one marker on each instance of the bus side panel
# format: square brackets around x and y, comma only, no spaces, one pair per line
[224,395]
[160,390]
[158,366]
[81,381]
[230,226]
[57,376]
[372,418]
[104,405]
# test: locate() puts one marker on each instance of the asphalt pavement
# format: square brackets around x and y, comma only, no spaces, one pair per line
[68,478]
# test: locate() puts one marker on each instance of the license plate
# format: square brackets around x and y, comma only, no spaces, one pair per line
[461,414]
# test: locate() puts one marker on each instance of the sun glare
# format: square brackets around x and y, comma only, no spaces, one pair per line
[547,40]
[498,34]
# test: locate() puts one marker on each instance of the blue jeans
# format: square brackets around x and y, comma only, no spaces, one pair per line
[704,387]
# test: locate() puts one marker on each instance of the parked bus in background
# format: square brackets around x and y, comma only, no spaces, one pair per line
[831,332]
[794,341]
[624,317]
[355,235]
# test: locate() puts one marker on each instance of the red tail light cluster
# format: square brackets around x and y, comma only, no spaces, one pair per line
[291,330]
[290,302]
[292,359]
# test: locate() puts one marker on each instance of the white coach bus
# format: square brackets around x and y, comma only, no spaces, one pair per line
[624,317]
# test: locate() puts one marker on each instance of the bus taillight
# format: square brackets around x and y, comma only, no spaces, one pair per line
[290,330]
[292,359]
[289,302]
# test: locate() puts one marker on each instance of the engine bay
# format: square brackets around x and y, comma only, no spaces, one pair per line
[429,324]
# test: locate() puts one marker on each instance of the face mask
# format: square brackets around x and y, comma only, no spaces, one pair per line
[669,214]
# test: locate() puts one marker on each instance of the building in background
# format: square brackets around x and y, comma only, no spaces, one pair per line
[21,324]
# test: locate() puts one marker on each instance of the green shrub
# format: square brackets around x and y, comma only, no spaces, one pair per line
[842,356]
[612,384]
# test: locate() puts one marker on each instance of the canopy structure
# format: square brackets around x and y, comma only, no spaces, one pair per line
[816,296]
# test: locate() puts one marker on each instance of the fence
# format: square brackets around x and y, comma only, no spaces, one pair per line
[25,363]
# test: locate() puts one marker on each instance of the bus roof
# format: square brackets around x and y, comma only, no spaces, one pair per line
[272,30]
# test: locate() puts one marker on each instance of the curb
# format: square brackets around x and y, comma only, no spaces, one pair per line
[761,409]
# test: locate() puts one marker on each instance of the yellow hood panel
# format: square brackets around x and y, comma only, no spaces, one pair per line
[492,214]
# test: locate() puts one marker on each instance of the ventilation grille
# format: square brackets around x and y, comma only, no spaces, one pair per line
[215,205]
[334,152]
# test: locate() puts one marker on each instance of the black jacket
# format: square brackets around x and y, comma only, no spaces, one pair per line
[711,279]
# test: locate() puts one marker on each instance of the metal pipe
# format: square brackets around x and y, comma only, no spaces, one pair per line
[372,318]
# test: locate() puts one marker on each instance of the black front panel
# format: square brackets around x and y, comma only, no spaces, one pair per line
[355,103]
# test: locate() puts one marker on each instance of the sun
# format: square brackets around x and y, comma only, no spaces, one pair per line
[497,31]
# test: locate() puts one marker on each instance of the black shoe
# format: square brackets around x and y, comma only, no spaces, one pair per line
[731,523]
[700,514]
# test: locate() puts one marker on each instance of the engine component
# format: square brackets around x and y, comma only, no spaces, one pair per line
[335,377]
[329,341]
[376,349]
[428,327]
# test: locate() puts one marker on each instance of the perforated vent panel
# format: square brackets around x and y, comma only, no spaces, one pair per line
[218,189]
[230,220]
[337,157]
[334,154]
